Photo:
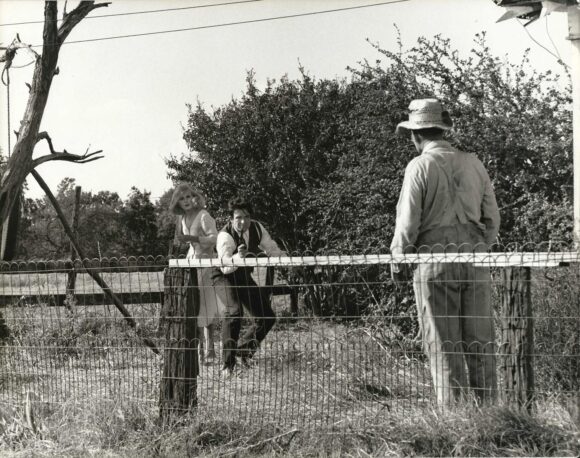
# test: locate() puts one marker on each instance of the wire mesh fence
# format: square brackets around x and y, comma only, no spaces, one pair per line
[347,344]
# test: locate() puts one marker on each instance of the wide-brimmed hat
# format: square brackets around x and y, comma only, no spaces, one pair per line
[424,114]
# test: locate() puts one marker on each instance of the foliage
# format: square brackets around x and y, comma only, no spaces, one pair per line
[108,226]
[516,119]
[323,166]
[138,220]
[165,220]
[322,163]
[98,230]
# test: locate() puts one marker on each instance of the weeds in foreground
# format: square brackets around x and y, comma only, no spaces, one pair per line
[127,429]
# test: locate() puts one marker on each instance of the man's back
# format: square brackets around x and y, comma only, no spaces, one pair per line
[445,187]
[447,204]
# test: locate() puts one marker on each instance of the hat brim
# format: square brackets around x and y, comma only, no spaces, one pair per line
[405,126]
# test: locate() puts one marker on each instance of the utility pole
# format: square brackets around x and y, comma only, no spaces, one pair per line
[574,37]
[517,332]
[531,10]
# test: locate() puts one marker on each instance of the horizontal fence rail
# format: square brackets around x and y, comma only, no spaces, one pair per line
[346,344]
[528,259]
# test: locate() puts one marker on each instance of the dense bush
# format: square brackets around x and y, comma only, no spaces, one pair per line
[323,165]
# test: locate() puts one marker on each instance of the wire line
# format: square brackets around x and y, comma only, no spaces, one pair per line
[227,24]
[551,40]
[138,12]
[545,48]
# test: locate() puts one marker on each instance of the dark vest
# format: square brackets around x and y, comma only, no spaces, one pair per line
[241,275]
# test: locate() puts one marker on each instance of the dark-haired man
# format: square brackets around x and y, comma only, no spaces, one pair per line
[243,237]
[447,204]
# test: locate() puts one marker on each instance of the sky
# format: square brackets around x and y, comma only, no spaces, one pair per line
[128,96]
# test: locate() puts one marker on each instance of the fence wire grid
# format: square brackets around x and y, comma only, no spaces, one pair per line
[346,345]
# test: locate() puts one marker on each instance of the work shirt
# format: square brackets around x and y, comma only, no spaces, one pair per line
[444,187]
[226,247]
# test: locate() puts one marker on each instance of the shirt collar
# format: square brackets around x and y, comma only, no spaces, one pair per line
[436,144]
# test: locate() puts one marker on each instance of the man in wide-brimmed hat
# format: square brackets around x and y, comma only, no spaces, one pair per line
[447,204]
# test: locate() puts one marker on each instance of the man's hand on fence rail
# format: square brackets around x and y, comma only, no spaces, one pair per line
[242,251]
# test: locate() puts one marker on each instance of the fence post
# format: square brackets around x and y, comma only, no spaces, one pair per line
[178,390]
[517,337]
[72,274]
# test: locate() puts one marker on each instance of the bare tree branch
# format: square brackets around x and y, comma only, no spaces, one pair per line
[76,158]
[71,19]
[50,230]
[95,275]
[63,155]
[44,136]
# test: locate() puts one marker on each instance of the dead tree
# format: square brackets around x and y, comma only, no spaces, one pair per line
[21,162]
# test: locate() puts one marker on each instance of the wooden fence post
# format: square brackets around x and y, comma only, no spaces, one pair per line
[517,338]
[178,321]
[72,274]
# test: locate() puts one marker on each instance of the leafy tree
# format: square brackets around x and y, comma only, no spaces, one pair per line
[108,226]
[267,146]
[101,225]
[165,221]
[99,234]
[516,119]
[322,162]
[138,221]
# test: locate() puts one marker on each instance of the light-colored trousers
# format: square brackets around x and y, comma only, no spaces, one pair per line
[455,315]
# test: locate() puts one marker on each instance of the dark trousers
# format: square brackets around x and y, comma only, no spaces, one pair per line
[236,295]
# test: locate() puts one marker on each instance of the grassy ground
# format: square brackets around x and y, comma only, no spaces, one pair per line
[316,388]
[119,429]
[81,384]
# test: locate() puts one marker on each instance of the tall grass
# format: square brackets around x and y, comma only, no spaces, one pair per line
[84,385]
[126,429]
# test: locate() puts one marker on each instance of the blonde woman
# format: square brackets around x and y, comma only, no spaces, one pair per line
[196,227]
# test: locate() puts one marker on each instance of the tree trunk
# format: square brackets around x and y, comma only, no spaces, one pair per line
[178,390]
[517,337]
[9,230]
[20,163]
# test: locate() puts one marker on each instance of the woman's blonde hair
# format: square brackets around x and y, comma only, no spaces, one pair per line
[179,190]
